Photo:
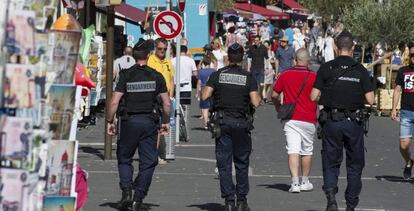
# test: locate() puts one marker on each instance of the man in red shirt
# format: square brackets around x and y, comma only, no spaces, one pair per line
[300,130]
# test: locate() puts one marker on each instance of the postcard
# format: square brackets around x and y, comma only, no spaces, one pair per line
[64,52]
[19,86]
[61,160]
[20,33]
[59,203]
[16,141]
[62,101]
[12,193]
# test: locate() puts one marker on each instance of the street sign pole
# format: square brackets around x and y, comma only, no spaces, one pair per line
[109,76]
[177,90]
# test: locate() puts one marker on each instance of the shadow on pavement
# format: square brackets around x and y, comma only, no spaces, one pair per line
[394,179]
[196,116]
[145,206]
[93,151]
[208,206]
[282,187]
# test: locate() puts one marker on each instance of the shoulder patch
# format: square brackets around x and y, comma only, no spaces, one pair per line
[228,78]
[144,86]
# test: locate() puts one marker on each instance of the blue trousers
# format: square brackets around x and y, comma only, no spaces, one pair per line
[234,144]
[337,135]
[137,131]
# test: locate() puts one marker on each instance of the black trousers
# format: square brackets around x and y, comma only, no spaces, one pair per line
[337,135]
[137,131]
[234,144]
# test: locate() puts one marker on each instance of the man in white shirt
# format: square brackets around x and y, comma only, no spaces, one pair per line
[122,63]
[187,69]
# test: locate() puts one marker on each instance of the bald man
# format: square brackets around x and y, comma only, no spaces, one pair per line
[124,62]
[296,85]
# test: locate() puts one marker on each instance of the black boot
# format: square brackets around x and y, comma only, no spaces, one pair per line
[330,196]
[126,200]
[137,205]
[229,206]
[348,208]
[242,206]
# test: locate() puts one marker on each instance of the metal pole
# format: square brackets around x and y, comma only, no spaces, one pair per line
[88,13]
[109,75]
[177,90]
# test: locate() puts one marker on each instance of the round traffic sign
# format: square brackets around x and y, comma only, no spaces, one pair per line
[168,24]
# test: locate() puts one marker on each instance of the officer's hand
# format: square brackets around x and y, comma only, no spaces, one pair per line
[394,115]
[165,129]
[111,129]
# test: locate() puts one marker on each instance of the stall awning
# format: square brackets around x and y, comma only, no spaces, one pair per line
[292,4]
[130,12]
[262,11]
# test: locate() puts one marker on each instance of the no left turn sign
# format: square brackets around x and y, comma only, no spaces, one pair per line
[168,24]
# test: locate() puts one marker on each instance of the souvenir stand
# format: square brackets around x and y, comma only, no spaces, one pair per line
[39,106]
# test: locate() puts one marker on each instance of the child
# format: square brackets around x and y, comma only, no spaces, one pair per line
[203,76]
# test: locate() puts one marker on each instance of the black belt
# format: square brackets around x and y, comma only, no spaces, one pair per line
[138,113]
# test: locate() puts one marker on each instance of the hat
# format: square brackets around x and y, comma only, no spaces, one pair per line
[208,47]
[235,49]
[284,38]
[142,45]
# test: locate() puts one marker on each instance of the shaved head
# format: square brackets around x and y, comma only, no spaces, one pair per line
[303,56]
[128,51]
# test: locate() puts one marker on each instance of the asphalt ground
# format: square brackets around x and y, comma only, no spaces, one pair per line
[189,181]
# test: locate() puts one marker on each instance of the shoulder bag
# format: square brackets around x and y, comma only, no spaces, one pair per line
[285,111]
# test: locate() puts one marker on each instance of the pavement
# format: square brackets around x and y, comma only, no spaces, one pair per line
[189,183]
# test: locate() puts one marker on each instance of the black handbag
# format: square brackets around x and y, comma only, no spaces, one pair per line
[285,111]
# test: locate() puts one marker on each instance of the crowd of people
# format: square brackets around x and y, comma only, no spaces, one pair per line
[274,68]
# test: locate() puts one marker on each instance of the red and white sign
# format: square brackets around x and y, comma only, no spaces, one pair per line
[181,5]
[168,24]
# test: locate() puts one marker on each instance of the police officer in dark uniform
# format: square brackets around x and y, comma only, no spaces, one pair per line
[142,88]
[342,87]
[233,90]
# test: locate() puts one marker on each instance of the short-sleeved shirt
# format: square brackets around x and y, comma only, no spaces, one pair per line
[405,78]
[289,32]
[187,67]
[343,84]
[164,67]
[204,74]
[219,54]
[289,83]
[285,57]
[232,87]
[141,85]
[258,55]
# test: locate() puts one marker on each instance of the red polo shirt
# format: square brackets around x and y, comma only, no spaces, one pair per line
[289,83]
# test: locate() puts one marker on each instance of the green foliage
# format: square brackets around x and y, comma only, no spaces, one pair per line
[327,9]
[222,4]
[373,22]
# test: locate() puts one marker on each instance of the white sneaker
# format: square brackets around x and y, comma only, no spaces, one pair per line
[306,186]
[294,188]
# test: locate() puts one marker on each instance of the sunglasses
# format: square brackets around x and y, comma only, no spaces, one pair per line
[162,49]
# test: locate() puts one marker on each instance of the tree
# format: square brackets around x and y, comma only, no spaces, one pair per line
[327,9]
[222,4]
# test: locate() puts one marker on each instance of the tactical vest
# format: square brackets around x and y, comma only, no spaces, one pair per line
[141,90]
[232,91]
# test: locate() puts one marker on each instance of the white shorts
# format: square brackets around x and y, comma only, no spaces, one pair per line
[299,137]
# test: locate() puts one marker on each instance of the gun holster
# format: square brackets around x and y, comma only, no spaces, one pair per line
[213,124]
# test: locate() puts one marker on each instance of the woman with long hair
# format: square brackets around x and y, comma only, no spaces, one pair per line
[219,53]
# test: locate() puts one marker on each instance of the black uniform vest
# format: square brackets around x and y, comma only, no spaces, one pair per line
[141,90]
[232,91]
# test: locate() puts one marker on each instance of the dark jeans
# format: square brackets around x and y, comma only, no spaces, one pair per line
[234,144]
[137,131]
[337,135]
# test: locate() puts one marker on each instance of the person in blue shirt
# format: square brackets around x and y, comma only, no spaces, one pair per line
[284,55]
[289,32]
[203,76]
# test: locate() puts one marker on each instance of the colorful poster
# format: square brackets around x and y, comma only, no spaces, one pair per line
[59,203]
[45,10]
[19,86]
[3,7]
[20,33]
[61,159]
[62,101]
[12,184]
[64,52]
[16,141]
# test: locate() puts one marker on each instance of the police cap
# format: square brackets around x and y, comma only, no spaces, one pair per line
[141,49]
[235,49]
[235,53]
